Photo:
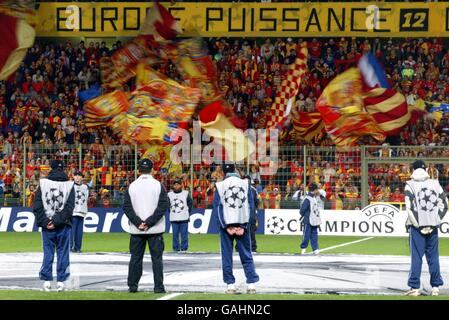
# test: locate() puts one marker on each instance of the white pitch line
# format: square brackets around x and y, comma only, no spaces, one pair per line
[345,244]
[171,296]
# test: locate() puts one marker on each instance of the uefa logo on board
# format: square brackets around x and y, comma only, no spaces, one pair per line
[380,210]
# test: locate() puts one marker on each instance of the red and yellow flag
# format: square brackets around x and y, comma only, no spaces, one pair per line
[236,145]
[388,108]
[341,107]
[307,125]
[16,33]
[351,110]
[160,24]
[289,89]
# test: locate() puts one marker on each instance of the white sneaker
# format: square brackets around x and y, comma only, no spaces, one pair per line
[303,251]
[251,288]
[47,286]
[413,292]
[60,286]
[435,291]
[316,252]
[231,289]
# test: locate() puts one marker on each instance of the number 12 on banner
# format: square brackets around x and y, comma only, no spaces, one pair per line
[414,20]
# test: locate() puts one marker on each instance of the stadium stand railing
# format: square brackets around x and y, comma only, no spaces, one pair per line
[352,178]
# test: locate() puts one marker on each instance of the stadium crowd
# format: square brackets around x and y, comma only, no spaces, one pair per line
[39,108]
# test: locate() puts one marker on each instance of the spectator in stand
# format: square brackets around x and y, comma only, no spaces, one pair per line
[267,50]
[397,195]
[198,198]
[97,151]
[210,191]
[274,199]
[315,49]
[218,174]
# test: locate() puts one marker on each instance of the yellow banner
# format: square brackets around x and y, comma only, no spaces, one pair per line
[250,19]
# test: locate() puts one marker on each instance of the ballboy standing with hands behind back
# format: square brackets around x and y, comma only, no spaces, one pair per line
[53,208]
[233,205]
[145,206]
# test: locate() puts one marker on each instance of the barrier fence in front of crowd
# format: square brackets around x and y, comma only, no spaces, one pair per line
[351,177]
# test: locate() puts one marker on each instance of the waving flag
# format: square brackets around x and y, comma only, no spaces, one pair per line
[372,72]
[307,125]
[388,108]
[101,110]
[118,69]
[359,102]
[16,34]
[160,106]
[89,94]
[350,111]
[215,123]
[160,24]
[150,114]
[439,107]
[437,110]
[289,89]
[196,67]
[341,107]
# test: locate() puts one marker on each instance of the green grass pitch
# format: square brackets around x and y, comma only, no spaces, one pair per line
[119,242]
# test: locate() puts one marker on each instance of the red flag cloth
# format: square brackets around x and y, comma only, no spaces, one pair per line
[16,37]
[8,36]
